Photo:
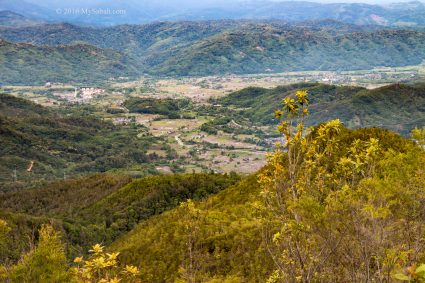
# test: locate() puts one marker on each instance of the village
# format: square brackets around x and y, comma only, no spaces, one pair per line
[181,141]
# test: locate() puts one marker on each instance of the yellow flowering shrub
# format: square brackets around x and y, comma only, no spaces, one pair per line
[103,267]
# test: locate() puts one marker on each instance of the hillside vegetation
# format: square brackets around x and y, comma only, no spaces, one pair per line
[98,208]
[63,143]
[205,48]
[81,63]
[167,107]
[396,107]
[228,237]
[332,204]
[266,48]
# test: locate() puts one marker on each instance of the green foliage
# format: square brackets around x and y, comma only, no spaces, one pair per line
[21,234]
[120,211]
[220,236]
[71,143]
[264,47]
[111,206]
[4,231]
[330,205]
[46,263]
[167,107]
[29,64]
[347,207]
[395,107]
[63,198]
[201,48]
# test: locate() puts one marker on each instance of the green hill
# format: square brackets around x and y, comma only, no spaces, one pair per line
[30,64]
[219,47]
[99,208]
[222,239]
[26,210]
[397,107]
[266,48]
[58,143]
[227,234]
[242,230]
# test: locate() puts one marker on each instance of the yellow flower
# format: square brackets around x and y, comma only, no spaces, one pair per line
[97,249]
[290,104]
[78,259]
[131,270]
[114,280]
[302,96]
[278,114]
[112,256]
[100,263]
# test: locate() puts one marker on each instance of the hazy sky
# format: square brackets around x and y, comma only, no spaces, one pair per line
[186,3]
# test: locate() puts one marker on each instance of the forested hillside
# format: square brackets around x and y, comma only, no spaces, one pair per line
[81,63]
[396,107]
[63,143]
[331,204]
[98,208]
[265,48]
[233,236]
[203,48]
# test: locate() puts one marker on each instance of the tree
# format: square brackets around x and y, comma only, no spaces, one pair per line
[338,210]
[46,263]
[190,218]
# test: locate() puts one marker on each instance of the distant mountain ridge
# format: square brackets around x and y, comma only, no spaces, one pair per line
[137,12]
[11,19]
[227,47]
[26,63]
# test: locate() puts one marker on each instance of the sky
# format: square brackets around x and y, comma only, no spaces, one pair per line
[186,3]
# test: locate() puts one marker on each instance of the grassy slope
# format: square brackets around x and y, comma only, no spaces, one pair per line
[396,107]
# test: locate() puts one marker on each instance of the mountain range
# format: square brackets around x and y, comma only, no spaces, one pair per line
[137,12]
[203,48]
[11,19]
